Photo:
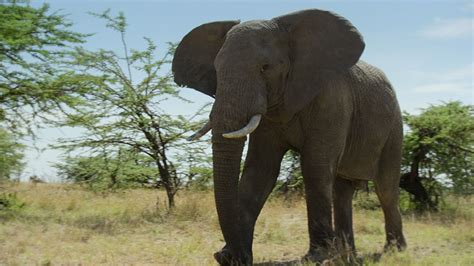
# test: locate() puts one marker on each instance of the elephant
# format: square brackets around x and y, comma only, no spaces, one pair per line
[294,82]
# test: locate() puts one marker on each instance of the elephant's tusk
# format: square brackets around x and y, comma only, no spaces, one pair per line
[201,132]
[249,128]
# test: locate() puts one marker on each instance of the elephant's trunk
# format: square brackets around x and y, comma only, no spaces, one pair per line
[234,108]
[227,155]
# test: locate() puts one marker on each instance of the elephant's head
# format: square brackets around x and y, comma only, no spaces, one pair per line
[258,68]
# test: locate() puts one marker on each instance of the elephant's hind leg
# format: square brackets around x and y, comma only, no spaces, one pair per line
[387,189]
[343,190]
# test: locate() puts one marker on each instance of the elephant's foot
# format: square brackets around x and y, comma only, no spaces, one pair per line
[225,257]
[395,245]
[345,251]
[334,254]
[318,255]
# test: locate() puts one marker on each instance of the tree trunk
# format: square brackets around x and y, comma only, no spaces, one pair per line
[412,184]
[170,186]
[169,179]
[170,194]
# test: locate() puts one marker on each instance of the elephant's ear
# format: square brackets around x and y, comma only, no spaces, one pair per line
[319,41]
[193,62]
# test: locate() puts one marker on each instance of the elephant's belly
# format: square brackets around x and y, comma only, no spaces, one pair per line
[362,167]
[362,152]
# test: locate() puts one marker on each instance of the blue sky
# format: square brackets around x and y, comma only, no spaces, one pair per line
[424,47]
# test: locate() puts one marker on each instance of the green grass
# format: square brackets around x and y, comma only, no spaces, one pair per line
[62,224]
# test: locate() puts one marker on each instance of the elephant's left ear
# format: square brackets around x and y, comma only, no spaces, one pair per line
[193,61]
[319,41]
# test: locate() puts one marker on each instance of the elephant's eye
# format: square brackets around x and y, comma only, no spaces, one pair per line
[264,68]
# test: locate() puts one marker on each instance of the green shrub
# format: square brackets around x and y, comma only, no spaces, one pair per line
[366,201]
[9,205]
[9,201]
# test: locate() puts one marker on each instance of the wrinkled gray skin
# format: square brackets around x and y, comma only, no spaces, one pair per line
[302,72]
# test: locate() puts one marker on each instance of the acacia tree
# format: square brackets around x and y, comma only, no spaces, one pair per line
[33,83]
[438,153]
[123,111]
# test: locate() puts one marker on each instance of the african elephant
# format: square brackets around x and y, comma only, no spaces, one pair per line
[294,82]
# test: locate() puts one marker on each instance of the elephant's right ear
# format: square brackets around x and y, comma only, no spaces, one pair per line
[319,41]
[193,62]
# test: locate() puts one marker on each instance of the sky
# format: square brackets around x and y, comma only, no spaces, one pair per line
[424,47]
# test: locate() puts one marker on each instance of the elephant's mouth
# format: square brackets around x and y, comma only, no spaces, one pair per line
[246,130]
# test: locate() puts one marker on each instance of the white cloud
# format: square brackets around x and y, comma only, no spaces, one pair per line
[459,80]
[449,28]
[442,87]
[465,72]
[469,6]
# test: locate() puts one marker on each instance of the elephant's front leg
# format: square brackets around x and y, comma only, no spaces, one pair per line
[319,172]
[261,169]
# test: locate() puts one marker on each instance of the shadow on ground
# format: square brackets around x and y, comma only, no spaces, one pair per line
[370,257]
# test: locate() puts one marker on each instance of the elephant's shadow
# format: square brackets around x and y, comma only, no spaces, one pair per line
[360,260]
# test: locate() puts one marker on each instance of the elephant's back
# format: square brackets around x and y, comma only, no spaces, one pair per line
[375,113]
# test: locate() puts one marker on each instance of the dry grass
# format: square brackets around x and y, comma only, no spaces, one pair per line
[67,225]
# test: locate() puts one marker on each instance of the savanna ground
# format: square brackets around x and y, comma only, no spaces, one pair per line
[64,224]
